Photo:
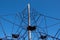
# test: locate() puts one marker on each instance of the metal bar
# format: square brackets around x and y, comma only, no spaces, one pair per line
[29,32]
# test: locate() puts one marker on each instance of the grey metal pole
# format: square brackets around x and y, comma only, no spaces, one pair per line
[29,31]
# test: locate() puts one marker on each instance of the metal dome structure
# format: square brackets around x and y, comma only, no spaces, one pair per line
[29,25]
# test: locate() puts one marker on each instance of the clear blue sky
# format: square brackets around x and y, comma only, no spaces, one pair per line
[46,7]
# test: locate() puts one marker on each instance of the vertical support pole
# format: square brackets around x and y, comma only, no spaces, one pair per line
[29,31]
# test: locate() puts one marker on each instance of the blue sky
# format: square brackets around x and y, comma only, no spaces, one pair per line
[46,7]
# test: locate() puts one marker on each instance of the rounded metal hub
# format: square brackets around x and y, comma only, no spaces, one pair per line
[31,28]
